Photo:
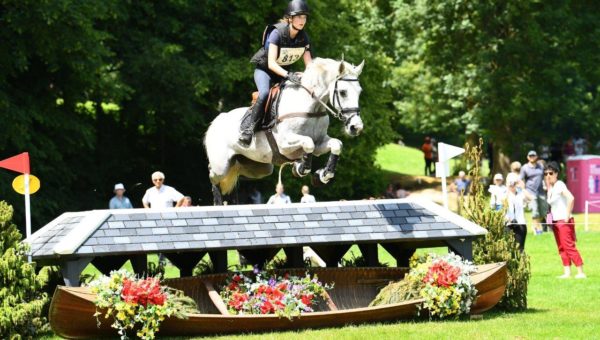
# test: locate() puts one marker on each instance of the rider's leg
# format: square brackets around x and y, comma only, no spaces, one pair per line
[257,111]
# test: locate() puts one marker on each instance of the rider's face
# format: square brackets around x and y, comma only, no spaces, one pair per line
[298,21]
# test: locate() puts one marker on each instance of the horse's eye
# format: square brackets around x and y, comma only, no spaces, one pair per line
[343,93]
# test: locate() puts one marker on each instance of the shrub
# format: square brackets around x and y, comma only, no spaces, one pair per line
[21,298]
[499,244]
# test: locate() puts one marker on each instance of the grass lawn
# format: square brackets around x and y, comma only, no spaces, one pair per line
[408,161]
[564,309]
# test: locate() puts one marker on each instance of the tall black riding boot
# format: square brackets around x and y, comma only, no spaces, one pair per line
[249,122]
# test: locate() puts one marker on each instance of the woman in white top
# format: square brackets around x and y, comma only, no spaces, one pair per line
[498,193]
[515,213]
[561,202]
[279,197]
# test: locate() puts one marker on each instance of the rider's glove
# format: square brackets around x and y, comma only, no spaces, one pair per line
[293,77]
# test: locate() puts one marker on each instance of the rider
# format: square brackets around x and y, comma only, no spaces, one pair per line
[284,43]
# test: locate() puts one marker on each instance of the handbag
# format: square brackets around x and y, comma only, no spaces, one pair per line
[549,219]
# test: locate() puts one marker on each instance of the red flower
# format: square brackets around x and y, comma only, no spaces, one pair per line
[442,274]
[143,292]
[267,307]
[307,299]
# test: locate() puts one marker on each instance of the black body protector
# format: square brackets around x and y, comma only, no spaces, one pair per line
[289,51]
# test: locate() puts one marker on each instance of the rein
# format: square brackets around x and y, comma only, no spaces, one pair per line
[339,114]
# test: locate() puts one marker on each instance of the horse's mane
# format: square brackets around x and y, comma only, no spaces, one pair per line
[322,71]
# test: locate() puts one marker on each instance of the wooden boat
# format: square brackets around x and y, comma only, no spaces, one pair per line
[72,308]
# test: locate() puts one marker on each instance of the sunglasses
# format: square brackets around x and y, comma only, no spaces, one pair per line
[549,173]
[158,179]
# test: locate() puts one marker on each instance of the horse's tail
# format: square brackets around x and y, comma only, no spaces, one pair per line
[229,182]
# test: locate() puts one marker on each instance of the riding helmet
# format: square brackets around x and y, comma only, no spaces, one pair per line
[297,7]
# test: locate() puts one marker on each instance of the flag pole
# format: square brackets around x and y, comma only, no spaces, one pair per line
[27,212]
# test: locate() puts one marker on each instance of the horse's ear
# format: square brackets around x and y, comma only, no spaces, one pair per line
[358,69]
[342,67]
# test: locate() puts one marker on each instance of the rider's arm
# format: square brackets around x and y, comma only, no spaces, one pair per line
[307,58]
[273,66]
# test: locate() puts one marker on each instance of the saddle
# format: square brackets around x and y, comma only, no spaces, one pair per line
[270,117]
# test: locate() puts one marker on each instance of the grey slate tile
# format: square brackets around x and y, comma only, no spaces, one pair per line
[341,223]
[240,220]
[149,246]
[144,231]
[179,222]
[285,218]
[347,208]
[318,238]
[413,220]
[288,240]
[85,250]
[181,245]
[121,240]
[348,237]
[111,232]
[373,214]
[160,231]
[200,237]
[365,229]
[197,244]
[132,224]
[333,209]
[282,225]
[199,214]
[153,216]
[261,234]
[214,213]
[252,226]
[165,246]
[230,213]
[245,212]
[121,217]
[277,233]
[356,222]
[256,219]
[210,221]
[118,224]
[148,223]
[329,216]
[184,214]
[163,223]
[270,219]
[127,232]
[304,210]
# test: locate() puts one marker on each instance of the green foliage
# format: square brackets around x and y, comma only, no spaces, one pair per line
[22,300]
[101,92]
[514,71]
[498,245]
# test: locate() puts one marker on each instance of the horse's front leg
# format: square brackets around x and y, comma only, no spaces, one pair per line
[291,142]
[334,146]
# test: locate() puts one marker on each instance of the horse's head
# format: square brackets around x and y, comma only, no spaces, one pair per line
[344,95]
[339,81]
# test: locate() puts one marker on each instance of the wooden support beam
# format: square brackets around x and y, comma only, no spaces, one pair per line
[186,261]
[219,260]
[139,263]
[106,264]
[400,252]
[258,256]
[462,247]
[331,254]
[369,252]
[71,270]
[294,256]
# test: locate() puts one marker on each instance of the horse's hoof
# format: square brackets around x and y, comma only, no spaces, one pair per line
[324,178]
[297,170]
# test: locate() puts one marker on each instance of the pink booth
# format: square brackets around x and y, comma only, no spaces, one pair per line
[583,180]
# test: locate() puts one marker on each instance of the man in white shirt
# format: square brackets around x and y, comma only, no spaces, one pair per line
[161,195]
[279,197]
[306,196]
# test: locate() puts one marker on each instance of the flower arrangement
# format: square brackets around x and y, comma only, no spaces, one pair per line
[132,302]
[442,281]
[263,293]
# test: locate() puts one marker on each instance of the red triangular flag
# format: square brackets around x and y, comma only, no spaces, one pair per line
[18,163]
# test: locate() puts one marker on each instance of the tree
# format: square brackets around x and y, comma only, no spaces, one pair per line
[20,287]
[513,71]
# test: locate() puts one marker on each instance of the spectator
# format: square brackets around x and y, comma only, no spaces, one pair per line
[401,193]
[515,167]
[187,202]
[119,201]
[544,149]
[255,196]
[461,184]
[306,196]
[580,146]
[515,214]
[428,154]
[568,150]
[161,195]
[279,197]
[532,173]
[561,201]
[498,193]
[389,191]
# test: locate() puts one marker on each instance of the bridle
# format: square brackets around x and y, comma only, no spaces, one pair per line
[338,113]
